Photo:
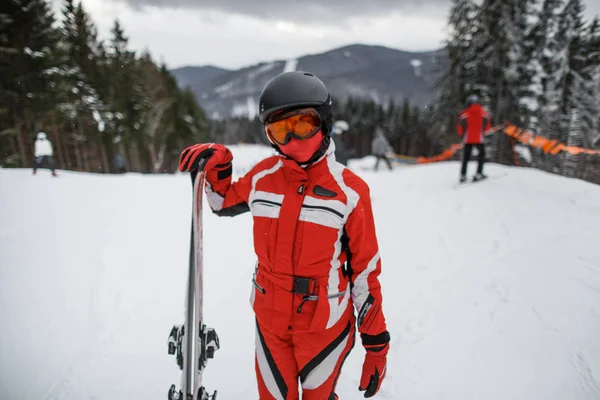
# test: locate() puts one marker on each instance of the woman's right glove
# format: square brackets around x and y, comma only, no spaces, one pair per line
[205,156]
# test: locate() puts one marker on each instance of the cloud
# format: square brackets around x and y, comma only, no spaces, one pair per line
[237,33]
[305,12]
[182,36]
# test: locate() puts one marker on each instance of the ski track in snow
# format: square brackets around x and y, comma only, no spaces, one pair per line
[290,65]
[490,292]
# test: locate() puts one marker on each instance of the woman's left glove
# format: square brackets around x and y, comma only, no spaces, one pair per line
[374,366]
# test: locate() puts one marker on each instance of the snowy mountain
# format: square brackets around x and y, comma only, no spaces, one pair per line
[374,72]
[192,76]
[491,291]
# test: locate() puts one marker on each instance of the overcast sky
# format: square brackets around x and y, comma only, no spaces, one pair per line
[238,33]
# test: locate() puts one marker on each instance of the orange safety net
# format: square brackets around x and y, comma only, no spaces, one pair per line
[445,155]
[525,137]
[547,145]
[450,151]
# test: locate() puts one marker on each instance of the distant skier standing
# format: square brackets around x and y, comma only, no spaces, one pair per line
[119,163]
[43,153]
[381,148]
[472,124]
[314,237]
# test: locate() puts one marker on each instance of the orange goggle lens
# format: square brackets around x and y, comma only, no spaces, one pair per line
[300,124]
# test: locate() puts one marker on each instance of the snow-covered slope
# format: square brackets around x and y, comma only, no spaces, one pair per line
[492,290]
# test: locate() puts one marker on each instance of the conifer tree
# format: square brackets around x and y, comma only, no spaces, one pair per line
[28,69]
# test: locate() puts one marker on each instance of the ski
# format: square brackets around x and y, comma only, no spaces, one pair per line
[474,180]
[193,343]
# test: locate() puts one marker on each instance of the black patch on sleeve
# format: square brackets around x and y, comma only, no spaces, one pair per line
[377,349]
[225,173]
[232,211]
[369,340]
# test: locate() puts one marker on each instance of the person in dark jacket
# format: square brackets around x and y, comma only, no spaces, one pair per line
[472,124]
[119,163]
[381,149]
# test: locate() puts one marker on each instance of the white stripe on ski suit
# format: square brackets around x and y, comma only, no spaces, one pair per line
[336,307]
[215,200]
[261,175]
[265,210]
[320,216]
[265,370]
[319,375]
[360,291]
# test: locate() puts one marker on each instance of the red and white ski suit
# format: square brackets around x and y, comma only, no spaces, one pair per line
[314,237]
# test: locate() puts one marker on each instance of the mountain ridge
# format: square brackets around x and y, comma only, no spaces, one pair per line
[373,72]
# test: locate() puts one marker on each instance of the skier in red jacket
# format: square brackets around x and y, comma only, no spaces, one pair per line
[473,122]
[315,241]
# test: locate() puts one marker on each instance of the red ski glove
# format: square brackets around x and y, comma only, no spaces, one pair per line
[375,365]
[217,157]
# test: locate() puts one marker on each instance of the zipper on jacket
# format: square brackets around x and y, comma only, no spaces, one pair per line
[323,208]
[260,288]
[309,298]
[266,202]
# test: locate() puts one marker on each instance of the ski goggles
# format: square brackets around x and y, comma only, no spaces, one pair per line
[300,124]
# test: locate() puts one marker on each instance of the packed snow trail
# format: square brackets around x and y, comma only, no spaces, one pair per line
[490,292]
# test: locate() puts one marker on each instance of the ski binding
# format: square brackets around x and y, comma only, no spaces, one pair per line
[209,344]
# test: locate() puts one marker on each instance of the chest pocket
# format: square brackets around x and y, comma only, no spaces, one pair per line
[326,213]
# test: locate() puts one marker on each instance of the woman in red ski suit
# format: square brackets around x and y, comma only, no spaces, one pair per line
[314,237]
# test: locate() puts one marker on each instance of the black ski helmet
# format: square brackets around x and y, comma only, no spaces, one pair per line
[296,89]
[472,99]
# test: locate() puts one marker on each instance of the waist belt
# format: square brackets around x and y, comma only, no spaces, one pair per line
[308,287]
[295,284]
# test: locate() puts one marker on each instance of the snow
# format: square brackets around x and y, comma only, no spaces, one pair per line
[530,103]
[226,87]
[491,291]
[261,70]
[416,64]
[290,65]
[98,119]
[248,109]
[252,107]
[240,109]
[524,152]
[32,53]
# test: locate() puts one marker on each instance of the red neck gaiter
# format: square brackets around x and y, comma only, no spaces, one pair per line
[302,150]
